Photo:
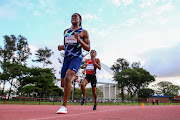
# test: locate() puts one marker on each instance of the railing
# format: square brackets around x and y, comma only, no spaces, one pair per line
[53,101]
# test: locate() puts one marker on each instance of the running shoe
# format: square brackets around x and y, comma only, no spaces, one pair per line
[83,101]
[95,107]
[62,110]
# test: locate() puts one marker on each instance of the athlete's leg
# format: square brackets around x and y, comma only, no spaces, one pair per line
[94,95]
[93,84]
[83,90]
[74,65]
[63,71]
[63,109]
[62,82]
[83,84]
[67,85]
[75,77]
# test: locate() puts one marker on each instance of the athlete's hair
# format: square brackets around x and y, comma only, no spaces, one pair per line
[80,25]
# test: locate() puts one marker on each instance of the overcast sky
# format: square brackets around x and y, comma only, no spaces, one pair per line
[137,30]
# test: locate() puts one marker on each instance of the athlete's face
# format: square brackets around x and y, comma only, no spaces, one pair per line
[75,19]
[93,53]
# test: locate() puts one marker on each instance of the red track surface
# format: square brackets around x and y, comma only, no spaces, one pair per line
[44,112]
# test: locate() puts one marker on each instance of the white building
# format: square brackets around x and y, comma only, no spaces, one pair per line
[106,83]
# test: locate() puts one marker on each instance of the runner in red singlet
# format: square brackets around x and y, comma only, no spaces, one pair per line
[91,65]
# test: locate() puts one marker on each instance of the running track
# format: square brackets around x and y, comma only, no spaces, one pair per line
[76,112]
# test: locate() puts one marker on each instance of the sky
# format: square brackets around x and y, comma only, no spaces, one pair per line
[137,30]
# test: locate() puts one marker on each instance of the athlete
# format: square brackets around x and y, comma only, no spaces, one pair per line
[75,38]
[91,65]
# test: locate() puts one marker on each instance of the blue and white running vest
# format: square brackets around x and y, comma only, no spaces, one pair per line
[72,46]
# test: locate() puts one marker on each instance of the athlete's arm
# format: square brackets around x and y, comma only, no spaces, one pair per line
[86,43]
[97,64]
[61,47]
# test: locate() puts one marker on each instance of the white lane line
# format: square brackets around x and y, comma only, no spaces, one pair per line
[81,114]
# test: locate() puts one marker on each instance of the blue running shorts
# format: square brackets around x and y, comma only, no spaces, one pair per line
[72,64]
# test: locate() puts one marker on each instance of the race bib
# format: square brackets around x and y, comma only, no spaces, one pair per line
[70,40]
[90,67]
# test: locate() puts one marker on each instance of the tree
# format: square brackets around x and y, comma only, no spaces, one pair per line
[19,72]
[135,65]
[134,79]
[43,78]
[167,88]
[28,90]
[1,50]
[7,55]
[120,65]
[4,77]
[23,50]
[52,91]
[56,91]
[145,93]
[14,54]
[14,71]
[43,56]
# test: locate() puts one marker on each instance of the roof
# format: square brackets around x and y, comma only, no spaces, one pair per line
[105,75]
[160,96]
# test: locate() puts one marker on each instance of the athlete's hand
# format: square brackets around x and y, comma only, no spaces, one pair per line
[76,35]
[60,47]
[93,60]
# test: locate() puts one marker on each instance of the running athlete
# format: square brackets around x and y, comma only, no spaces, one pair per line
[91,65]
[75,38]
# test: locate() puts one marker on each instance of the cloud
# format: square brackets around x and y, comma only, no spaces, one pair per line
[145,15]
[36,13]
[120,2]
[100,10]
[145,3]
[50,8]
[127,2]
[165,8]
[159,9]
[42,3]
[43,6]
[173,80]
[130,22]
[118,43]
[157,21]
[90,17]
[116,2]
[33,49]
[156,50]
[151,17]
[153,14]
[163,62]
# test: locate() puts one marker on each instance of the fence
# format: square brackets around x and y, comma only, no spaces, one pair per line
[58,101]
